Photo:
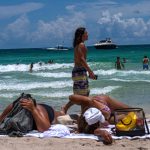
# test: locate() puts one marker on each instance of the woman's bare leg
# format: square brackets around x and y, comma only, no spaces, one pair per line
[78,100]
[115,104]
[111,102]
[65,108]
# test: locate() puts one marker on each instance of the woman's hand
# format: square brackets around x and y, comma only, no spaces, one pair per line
[27,104]
[107,138]
[92,75]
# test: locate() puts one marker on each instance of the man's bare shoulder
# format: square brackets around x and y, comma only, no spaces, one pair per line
[81,45]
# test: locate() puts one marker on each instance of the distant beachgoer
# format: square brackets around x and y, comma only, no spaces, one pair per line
[40,63]
[31,67]
[124,60]
[118,64]
[145,63]
[50,61]
[79,72]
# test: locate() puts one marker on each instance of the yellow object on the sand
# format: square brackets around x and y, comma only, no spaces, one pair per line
[127,123]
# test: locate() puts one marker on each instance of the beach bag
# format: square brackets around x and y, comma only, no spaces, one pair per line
[130,122]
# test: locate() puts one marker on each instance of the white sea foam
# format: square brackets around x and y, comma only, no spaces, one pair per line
[55,66]
[9,95]
[105,72]
[52,66]
[61,94]
[54,75]
[35,85]
[121,72]
[133,72]
[7,77]
[36,67]
[104,90]
[14,67]
[132,80]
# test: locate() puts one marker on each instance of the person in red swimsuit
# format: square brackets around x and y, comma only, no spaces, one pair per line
[118,64]
[145,63]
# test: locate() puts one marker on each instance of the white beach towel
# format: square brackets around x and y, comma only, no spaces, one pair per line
[62,131]
[57,130]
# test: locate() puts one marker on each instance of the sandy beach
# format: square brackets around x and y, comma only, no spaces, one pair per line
[31,143]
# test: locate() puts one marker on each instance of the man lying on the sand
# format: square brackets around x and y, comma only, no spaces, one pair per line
[43,115]
[98,109]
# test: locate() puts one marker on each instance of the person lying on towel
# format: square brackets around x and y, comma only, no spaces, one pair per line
[18,115]
[104,103]
[100,105]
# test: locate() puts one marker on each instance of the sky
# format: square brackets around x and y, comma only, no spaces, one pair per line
[47,23]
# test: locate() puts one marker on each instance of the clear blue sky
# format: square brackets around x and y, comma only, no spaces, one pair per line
[44,23]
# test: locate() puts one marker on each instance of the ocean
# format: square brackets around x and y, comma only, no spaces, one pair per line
[52,83]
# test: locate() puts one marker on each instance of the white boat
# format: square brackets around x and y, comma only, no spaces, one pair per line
[105,44]
[59,48]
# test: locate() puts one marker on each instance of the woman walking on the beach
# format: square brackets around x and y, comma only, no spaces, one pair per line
[79,72]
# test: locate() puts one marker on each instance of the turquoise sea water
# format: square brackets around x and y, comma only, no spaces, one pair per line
[52,83]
